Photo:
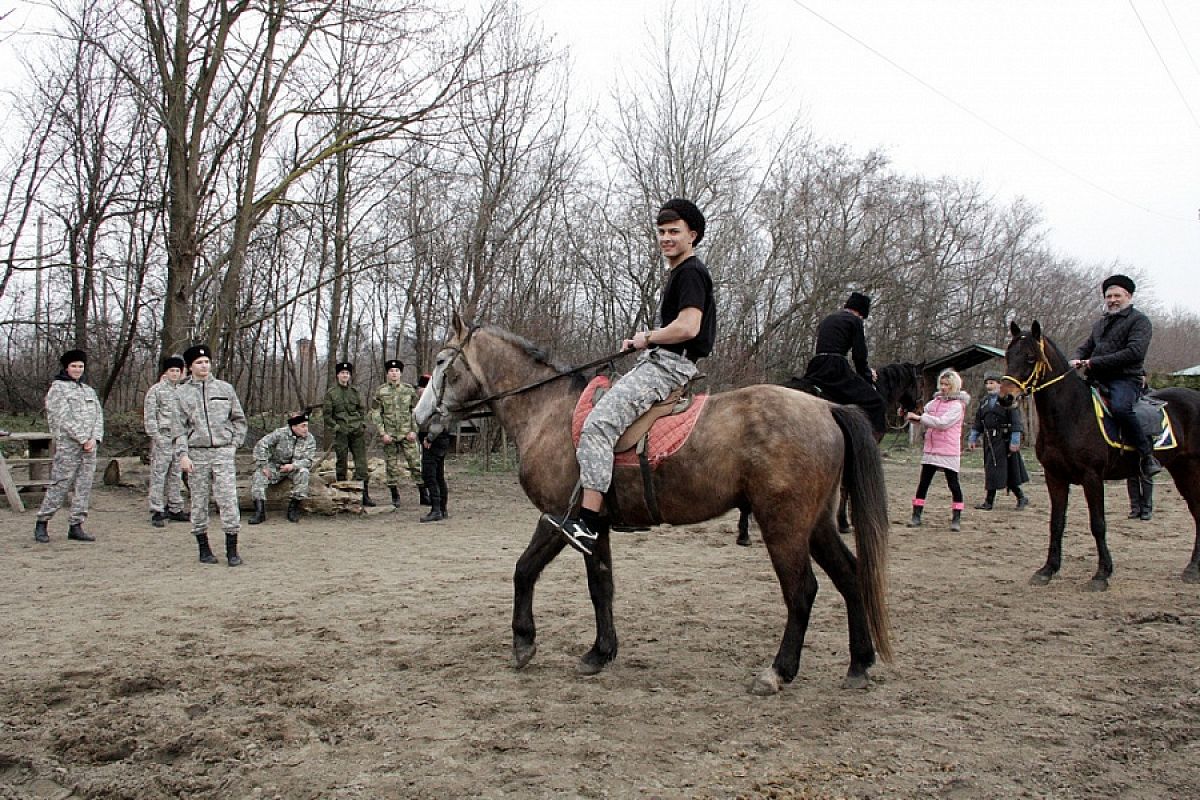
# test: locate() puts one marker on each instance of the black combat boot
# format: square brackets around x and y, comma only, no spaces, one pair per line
[434,515]
[293,512]
[423,490]
[915,522]
[76,533]
[1022,500]
[206,553]
[956,520]
[40,534]
[340,475]
[179,516]
[231,553]
[260,513]
[367,501]
[395,496]
[987,503]
[158,519]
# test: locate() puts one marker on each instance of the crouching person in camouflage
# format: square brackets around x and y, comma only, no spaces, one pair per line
[391,413]
[212,426]
[77,423]
[158,418]
[286,452]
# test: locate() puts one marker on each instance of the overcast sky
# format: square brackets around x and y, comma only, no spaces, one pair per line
[1088,108]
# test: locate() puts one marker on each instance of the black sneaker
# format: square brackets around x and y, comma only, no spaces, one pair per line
[577,534]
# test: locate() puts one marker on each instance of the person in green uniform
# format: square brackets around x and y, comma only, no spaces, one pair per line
[343,410]
[391,413]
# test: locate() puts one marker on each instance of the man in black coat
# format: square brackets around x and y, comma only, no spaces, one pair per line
[840,339]
[1114,355]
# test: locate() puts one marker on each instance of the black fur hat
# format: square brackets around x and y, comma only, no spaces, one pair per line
[394,362]
[678,208]
[71,356]
[857,301]
[1124,281]
[343,365]
[171,361]
[298,419]
[196,351]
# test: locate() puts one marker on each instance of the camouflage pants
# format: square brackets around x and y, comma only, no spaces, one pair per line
[346,444]
[260,482]
[166,479]
[656,374]
[72,469]
[412,459]
[214,477]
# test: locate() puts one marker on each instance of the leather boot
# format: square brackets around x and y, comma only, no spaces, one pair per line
[988,502]
[340,475]
[423,490]
[956,520]
[434,515]
[40,534]
[1022,502]
[915,522]
[76,533]
[366,500]
[206,553]
[158,519]
[395,496]
[179,516]
[293,512]
[445,515]
[231,553]
[260,513]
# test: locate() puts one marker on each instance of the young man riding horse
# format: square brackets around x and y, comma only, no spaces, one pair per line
[1114,356]
[686,333]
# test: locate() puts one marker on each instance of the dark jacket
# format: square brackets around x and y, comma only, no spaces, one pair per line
[842,333]
[1118,345]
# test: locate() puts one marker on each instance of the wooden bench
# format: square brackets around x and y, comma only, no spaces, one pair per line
[35,467]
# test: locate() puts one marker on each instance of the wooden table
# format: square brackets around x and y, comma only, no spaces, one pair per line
[35,466]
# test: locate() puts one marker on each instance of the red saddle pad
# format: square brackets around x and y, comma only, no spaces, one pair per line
[666,436]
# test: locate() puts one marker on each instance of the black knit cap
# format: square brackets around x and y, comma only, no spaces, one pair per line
[172,361]
[343,366]
[71,356]
[1124,281]
[394,362]
[678,208]
[196,351]
[298,419]
[857,301]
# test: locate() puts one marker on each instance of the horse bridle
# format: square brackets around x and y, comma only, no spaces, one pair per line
[1031,385]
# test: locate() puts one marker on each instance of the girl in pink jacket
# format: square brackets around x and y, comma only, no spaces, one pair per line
[942,420]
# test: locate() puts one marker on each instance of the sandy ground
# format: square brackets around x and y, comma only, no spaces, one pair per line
[368,656]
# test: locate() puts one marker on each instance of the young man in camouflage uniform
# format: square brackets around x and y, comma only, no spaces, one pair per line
[284,453]
[158,418]
[343,410]
[76,421]
[391,412]
[212,426]
[687,330]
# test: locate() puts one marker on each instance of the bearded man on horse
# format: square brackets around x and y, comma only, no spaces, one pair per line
[1114,356]
[686,333]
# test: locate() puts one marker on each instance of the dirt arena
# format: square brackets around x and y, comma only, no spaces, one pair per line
[368,657]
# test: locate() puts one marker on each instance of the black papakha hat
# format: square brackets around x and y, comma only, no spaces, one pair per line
[172,361]
[394,362]
[343,366]
[298,419]
[1124,281]
[71,356]
[196,351]
[857,301]
[424,380]
[678,208]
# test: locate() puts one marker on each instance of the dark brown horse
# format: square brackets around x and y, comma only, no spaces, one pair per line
[1072,450]
[781,452]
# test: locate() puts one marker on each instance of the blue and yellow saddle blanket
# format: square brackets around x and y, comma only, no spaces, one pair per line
[1152,416]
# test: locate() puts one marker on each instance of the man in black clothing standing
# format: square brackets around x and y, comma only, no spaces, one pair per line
[840,339]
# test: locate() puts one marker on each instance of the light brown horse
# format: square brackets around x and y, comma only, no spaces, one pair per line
[777,450]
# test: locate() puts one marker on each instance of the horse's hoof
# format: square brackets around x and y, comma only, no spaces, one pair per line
[523,654]
[1097,585]
[1191,575]
[856,681]
[1039,579]
[587,666]
[766,684]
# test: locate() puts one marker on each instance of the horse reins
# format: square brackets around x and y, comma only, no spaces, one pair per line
[1030,385]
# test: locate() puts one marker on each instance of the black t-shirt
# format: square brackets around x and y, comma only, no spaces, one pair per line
[690,286]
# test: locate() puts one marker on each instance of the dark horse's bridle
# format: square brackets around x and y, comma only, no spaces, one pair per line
[1037,379]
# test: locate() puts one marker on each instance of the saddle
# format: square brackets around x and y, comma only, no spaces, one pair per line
[1152,419]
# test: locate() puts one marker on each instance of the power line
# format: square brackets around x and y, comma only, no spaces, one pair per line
[1182,41]
[978,117]
[1163,61]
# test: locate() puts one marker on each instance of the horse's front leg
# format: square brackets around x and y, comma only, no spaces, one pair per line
[542,549]
[1093,490]
[1059,491]
[600,588]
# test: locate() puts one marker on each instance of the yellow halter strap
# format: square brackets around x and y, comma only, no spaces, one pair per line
[1040,369]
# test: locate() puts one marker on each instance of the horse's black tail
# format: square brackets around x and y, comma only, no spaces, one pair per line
[863,480]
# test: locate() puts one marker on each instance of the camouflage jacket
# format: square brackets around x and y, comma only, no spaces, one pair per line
[73,411]
[391,409]
[158,412]
[209,415]
[281,446]
[343,410]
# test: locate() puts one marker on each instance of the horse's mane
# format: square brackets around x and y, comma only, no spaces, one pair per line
[537,354]
[897,373]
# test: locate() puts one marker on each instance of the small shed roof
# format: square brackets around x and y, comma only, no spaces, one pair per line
[969,356]
[1189,371]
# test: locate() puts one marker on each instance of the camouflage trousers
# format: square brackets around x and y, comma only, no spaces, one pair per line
[259,483]
[656,374]
[214,478]
[412,459]
[166,479]
[71,471]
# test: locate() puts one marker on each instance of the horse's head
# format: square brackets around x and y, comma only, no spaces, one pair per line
[910,389]
[1030,363]
[453,385]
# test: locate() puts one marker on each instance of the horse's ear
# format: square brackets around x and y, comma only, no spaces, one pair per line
[1036,330]
[460,327]
[1015,329]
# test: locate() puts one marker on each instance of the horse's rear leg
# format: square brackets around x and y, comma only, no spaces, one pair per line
[1187,480]
[743,526]
[831,553]
[843,519]
[600,588]
[542,549]
[1094,492]
[1059,492]
[799,590]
